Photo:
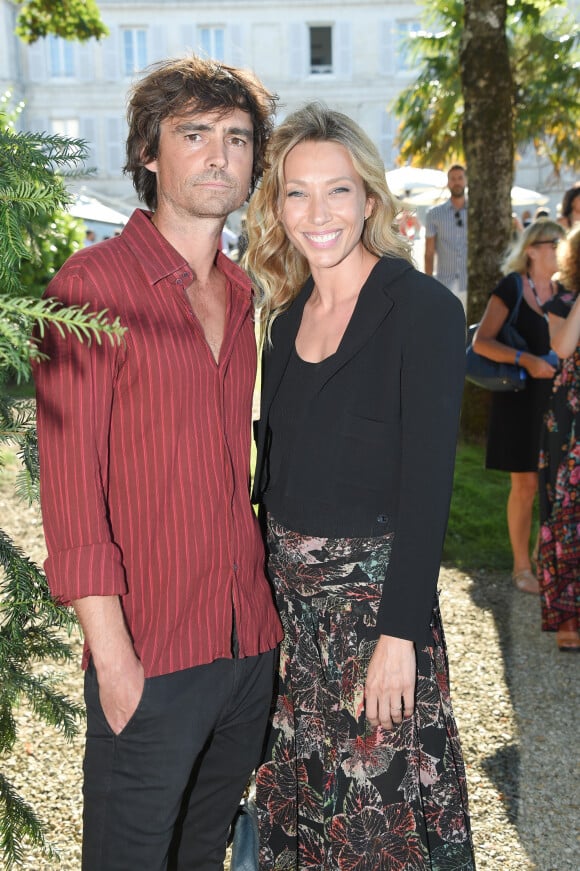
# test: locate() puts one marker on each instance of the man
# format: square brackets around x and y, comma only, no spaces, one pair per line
[446,236]
[144,449]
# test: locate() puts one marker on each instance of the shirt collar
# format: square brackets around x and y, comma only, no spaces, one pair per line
[159,259]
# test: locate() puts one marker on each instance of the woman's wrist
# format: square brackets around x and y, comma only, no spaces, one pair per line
[517,361]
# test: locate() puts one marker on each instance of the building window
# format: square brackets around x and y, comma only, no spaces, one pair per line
[61,62]
[68,127]
[405,32]
[134,51]
[321,50]
[211,40]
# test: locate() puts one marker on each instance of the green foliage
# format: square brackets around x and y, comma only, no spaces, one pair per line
[69,19]
[544,45]
[32,190]
[17,823]
[477,535]
[33,628]
[56,238]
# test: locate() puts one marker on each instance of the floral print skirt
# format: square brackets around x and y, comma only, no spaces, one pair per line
[559,490]
[334,792]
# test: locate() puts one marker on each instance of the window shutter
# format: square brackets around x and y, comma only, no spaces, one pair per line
[111,56]
[344,50]
[37,67]
[88,132]
[387,146]
[238,56]
[297,43]
[188,38]
[387,47]
[85,61]
[156,44]
[115,137]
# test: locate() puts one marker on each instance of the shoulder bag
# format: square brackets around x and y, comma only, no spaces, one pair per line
[490,374]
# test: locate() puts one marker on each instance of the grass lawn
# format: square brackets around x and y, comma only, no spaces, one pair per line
[477,535]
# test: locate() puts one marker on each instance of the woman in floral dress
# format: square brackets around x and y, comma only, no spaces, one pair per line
[362,380]
[559,551]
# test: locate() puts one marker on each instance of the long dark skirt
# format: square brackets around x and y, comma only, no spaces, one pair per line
[334,792]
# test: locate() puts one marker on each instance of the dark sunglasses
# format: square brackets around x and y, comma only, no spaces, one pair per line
[458,219]
[553,242]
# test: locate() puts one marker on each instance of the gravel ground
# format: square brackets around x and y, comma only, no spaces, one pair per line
[515,698]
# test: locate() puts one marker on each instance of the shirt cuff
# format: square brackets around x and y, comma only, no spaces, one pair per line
[92,570]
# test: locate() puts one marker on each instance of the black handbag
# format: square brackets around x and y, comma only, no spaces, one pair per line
[245,840]
[489,374]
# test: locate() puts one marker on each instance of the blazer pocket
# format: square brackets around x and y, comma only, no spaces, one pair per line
[363,453]
[365,429]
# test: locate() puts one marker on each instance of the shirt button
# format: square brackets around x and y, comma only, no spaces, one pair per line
[235,567]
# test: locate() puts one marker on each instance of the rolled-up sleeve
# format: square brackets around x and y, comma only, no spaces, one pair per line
[74,394]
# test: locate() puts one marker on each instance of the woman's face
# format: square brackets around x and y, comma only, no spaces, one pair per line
[542,254]
[324,203]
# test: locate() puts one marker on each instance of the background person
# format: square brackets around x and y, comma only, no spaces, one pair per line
[366,354]
[446,236]
[570,208]
[559,474]
[516,418]
[144,450]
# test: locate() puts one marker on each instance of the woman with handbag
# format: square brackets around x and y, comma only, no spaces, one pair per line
[513,439]
[559,467]
[362,380]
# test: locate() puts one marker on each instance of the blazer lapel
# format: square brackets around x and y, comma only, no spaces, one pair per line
[274,362]
[276,357]
[372,307]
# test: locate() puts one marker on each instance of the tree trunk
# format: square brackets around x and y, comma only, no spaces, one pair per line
[489,152]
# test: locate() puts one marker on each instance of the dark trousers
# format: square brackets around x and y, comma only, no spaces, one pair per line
[162,794]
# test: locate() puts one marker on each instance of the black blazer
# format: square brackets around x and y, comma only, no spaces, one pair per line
[381,431]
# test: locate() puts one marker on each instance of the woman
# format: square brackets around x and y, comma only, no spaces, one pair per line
[516,418]
[362,383]
[559,552]
[570,209]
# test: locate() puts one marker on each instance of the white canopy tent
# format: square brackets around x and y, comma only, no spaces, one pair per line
[93,210]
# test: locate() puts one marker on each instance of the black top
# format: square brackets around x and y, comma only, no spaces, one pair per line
[515,419]
[287,421]
[529,323]
[377,434]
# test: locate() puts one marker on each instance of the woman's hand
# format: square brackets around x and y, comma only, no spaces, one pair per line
[536,367]
[390,685]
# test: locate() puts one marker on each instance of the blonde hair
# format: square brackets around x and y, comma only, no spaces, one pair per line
[517,259]
[277,268]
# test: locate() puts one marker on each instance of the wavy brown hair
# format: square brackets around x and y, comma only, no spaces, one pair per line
[568,201]
[569,261]
[174,88]
[277,268]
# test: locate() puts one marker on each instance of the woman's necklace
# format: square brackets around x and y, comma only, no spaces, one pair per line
[540,304]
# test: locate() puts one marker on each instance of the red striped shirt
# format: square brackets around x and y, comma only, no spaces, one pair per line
[144,452]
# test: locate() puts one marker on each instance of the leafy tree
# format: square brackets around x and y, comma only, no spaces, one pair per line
[70,19]
[30,622]
[494,76]
[32,626]
[543,44]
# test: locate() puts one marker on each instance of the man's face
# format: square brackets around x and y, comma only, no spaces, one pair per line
[204,163]
[456,182]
